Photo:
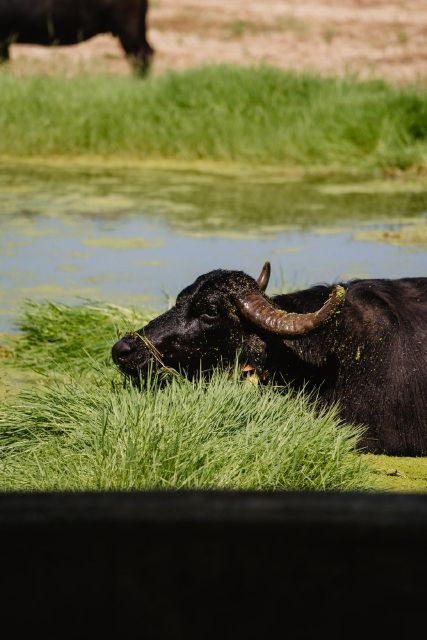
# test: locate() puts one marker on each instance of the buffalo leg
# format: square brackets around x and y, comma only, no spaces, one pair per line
[143,57]
[142,61]
[4,51]
[139,53]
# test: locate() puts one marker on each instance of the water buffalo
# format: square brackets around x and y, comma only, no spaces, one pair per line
[360,344]
[63,22]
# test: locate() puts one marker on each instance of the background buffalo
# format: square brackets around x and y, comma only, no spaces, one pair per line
[64,22]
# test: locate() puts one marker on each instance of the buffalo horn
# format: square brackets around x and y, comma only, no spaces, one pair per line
[263,314]
[264,277]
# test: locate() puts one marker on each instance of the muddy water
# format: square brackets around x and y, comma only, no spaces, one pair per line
[139,236]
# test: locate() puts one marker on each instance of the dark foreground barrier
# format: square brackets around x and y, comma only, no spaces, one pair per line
[212,565]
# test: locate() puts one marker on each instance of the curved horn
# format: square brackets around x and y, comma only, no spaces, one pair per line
[262,313]
[264,277]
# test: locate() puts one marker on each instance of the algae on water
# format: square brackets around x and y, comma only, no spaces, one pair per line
[112,242]
[412,235]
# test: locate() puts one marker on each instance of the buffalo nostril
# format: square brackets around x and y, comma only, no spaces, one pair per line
[121,349]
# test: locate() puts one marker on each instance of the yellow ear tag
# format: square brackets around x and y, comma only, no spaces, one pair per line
[253,379]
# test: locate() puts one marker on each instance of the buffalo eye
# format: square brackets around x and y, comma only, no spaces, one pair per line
[210,314]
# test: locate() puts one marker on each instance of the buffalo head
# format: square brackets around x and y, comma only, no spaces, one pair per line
[221,314]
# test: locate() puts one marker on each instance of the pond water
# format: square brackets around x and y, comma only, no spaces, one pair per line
[139,236]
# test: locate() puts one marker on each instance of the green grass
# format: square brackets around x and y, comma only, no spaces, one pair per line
[78,427]
[71,338]
[223,113]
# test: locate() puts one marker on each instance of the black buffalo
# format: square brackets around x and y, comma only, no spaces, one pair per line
[61,22]
[361,344]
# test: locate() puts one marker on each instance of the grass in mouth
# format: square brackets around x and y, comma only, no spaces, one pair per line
[260,115]
[80,428]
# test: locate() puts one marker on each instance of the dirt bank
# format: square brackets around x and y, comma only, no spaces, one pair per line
[384,38]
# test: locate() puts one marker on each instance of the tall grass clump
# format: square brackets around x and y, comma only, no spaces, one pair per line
[89,435]
[255,115]
[55,335]
[86,430]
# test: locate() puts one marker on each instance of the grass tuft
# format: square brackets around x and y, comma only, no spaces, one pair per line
[55,335]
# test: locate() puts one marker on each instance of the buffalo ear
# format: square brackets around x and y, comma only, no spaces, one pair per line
[253,353]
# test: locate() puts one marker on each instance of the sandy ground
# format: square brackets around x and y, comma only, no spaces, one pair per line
[378,38]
